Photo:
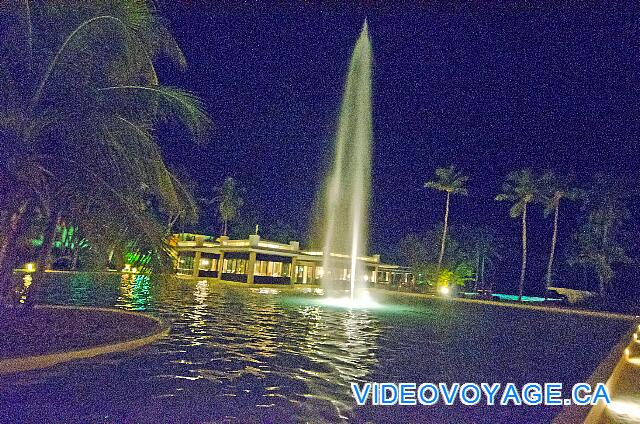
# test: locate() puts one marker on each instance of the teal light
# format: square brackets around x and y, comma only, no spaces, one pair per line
[514,297]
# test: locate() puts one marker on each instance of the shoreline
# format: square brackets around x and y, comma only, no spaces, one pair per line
[37,359]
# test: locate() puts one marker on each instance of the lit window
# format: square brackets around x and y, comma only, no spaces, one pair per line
[208,264]
[241,266]
[185,262]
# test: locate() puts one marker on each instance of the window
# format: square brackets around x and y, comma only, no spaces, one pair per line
[208,264]
[229,265]
[235,266]
[185,263]
[241,266]
[272,269]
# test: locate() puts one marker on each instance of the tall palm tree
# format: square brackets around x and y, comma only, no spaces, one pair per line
[229,200]
[451,182]
[553,189]
[520,188]
[80,100]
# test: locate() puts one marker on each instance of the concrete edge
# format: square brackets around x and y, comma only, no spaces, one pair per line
[553,309]
[607,372]
[33,362]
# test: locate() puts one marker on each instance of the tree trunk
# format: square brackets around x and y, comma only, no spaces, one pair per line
[74,261]
[444,236]
[491,283]
[224,232]
[605,281]
[477,269]
[7,251]
[524,252]
[602,280]
[44,255]
[554,239]
[482,273]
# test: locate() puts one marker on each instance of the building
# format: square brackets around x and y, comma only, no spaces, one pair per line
[257,261]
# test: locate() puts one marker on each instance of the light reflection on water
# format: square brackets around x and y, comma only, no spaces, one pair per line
[134,291]
[239,355]
[232,353]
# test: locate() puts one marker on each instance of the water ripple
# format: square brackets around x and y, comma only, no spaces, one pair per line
[240,355]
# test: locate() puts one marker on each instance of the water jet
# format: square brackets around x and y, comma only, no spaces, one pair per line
[349,183]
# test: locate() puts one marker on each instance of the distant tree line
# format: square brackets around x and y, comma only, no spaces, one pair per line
[599,245]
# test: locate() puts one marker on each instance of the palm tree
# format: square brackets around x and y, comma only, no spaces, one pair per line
[80,101]
[520,189]
[598,241]
[451,182]
[553,189]
[485,246]
[229,201]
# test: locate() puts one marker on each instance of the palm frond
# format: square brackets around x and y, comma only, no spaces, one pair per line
[94,93]
[171,103]
[449,180]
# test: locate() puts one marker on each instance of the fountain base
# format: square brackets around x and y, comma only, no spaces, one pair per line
[360,301]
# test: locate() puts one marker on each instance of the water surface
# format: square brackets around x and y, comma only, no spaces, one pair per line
[239,355]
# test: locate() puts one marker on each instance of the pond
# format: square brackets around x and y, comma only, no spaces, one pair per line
[241,355]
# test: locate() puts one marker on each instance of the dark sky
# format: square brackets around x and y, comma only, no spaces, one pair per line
[489,89]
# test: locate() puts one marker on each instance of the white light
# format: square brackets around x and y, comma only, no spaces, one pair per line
[625,410]
[360,301]
[265,290]
[366,278]
[444,290]
[634,361]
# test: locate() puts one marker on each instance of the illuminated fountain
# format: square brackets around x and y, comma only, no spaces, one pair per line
[348,185]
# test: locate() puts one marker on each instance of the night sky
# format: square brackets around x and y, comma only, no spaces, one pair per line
[489,89]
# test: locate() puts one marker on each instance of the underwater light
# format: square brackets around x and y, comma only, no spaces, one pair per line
[360,301]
